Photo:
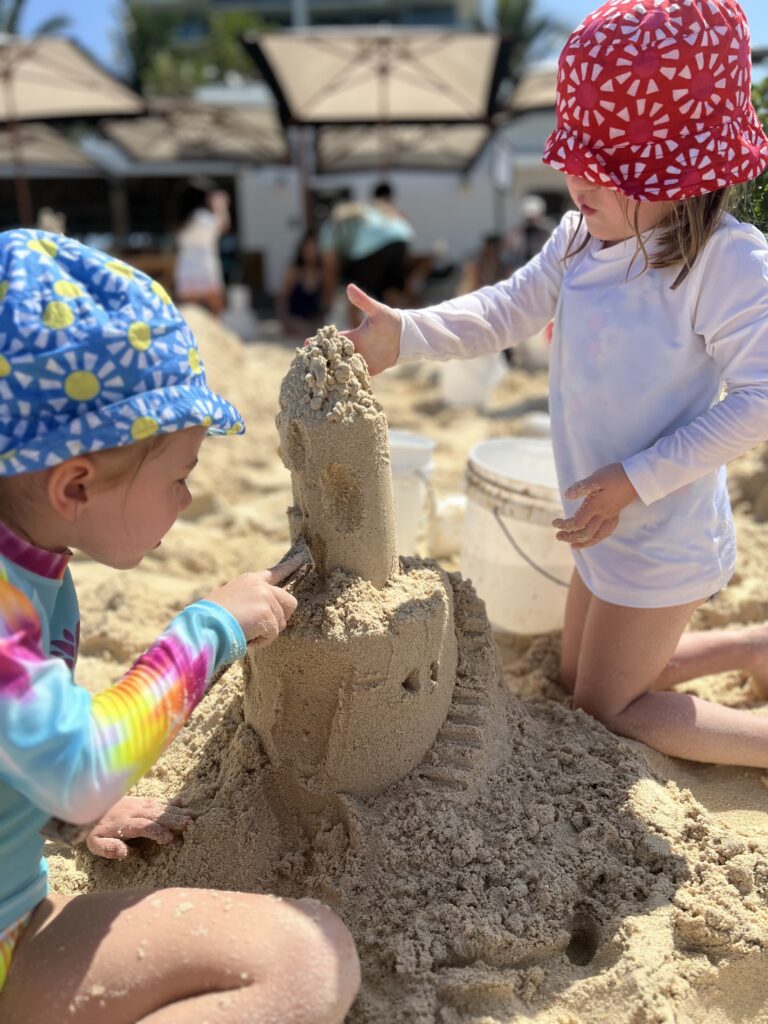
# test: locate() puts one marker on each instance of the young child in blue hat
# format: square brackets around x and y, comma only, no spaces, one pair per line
[103,408]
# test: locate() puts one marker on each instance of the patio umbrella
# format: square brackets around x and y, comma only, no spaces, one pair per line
[49,78]
[180,129]
[536,91]
[433,147]
[46,152]
[378,75]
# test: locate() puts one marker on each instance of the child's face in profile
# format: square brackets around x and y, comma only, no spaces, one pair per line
[610,215]
[123,521]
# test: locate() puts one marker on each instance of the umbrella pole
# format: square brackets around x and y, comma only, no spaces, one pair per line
[20,181]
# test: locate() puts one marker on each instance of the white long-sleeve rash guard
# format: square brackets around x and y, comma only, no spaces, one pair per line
[636,376]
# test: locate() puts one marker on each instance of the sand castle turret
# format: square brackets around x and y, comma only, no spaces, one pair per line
[352,695]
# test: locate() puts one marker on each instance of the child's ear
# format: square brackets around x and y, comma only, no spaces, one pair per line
[69,486]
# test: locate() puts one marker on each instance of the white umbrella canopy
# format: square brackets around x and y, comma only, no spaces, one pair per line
[381,74]
[49,78]
[45,151]
[179,129]
[536,90]
[433,147]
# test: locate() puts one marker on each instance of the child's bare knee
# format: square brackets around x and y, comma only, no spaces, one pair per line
[327,967]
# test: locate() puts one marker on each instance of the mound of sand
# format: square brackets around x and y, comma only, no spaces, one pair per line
[533,866]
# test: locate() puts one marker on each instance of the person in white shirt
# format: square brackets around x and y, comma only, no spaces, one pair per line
[198,275]
[660,302]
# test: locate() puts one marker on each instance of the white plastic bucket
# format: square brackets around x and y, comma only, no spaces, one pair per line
[469,382]
[509,550]
[411,459]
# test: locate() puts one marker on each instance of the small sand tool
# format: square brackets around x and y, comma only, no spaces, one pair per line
[299,552]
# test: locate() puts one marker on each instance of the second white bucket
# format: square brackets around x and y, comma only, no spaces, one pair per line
[411,458]
[509,550]
[470,382]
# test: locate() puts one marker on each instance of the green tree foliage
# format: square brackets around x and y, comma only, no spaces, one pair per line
[751,203]
[175,49]
[518,20]
[12,11]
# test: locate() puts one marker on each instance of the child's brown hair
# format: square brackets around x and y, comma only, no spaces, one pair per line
[682,234]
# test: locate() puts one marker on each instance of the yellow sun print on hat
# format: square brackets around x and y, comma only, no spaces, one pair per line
[161,293]
[68,290]
[82,385]
[140,335]
[143,427]
[194,361]
[58,316]
[120,268]
[5,367]
[44,246]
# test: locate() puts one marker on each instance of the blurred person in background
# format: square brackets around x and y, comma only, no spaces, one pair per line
[300,303]
[203,218]
[367,243]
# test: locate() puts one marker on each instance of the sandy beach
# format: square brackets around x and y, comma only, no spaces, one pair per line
[571,878]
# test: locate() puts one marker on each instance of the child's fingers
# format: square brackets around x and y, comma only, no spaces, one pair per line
[107,846]
[582,535]
[581,489]
[605,530]
[145,828]
[362,301]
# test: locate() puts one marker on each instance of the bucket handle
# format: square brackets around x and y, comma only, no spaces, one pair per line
[526,558]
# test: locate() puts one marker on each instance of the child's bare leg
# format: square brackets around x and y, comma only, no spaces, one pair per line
[707,652]
[623,652]
[576,608]
[181,956]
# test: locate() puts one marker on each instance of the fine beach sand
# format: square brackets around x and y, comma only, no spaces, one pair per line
[534,867]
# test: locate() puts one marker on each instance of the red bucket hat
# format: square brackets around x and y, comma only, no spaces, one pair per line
[653,99]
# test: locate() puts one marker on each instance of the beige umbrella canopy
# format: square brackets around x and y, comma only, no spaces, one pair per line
[178,129]
[381,74]
[44,149]
[438,147]
[48,78]
[536,90]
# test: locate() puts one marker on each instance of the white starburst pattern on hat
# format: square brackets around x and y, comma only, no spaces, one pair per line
[701,88]
[81,377]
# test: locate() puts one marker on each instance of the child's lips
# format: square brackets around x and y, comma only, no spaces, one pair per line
[587,210]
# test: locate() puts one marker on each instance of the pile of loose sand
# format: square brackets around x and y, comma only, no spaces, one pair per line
[533,867]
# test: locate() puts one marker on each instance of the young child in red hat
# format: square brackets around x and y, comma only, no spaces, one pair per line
[660,298]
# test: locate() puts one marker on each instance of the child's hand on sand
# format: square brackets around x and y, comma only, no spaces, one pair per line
[258,603]
[377,339]
[136,818]
[605,494]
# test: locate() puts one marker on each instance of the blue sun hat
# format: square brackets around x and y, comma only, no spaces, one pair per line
[93,355]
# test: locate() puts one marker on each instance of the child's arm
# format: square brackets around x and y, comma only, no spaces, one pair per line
[74,754]
[495,317]
[487,320]
[731,315]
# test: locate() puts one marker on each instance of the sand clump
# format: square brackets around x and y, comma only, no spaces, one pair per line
[531,866]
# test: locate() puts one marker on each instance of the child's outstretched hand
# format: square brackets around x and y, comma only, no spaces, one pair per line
[605,494]
[258,603]
[377,339]
[136,818]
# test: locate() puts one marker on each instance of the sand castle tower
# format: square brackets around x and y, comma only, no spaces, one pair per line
[352,695]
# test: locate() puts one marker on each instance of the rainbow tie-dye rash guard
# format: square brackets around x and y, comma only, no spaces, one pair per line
[63,751]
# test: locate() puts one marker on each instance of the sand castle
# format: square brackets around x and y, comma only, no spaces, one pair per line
[532,866]
[352,696]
